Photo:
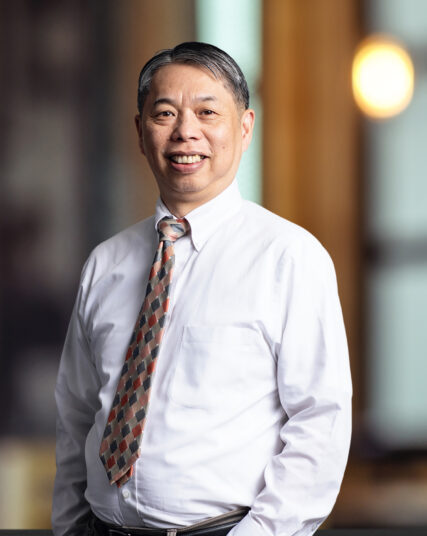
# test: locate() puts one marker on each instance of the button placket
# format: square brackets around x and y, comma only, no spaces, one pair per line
[127,501]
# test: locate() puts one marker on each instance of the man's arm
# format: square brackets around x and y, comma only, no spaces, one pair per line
[76,398]
[314,386]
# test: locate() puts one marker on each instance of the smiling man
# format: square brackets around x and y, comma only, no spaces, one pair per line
[206,392]
[193,131]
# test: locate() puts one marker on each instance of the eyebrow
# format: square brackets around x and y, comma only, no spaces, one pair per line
[167,100]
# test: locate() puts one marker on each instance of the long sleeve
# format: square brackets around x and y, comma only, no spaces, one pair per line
[314,385]
[76,399]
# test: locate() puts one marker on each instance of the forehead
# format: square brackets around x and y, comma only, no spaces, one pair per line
[188,80]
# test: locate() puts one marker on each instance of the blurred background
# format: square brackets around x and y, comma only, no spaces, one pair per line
[72,175]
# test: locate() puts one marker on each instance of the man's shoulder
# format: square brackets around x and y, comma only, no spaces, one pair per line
[288,241]
[134,241]
[279,229]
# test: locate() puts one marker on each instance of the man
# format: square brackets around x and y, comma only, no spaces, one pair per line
[229,399]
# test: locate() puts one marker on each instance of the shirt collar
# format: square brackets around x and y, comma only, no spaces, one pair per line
[205,219]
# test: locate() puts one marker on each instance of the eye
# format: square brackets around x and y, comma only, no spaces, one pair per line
[164,113]
[207,112]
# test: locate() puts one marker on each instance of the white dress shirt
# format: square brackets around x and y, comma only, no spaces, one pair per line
[251,400]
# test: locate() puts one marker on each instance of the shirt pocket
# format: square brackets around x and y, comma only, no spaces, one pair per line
[221,367]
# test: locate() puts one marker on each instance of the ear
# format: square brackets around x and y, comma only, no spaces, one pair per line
[247,123]
[138,124]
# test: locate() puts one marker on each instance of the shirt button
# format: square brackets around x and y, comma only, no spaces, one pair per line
[125,494]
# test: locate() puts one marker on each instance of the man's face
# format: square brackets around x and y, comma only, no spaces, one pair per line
[193,134]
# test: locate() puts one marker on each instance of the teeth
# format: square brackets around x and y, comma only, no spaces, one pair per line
[184,159]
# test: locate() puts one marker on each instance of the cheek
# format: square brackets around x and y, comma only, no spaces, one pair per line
[228,138]
[153,140]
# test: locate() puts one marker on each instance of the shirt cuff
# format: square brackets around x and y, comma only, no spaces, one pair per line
[247,527]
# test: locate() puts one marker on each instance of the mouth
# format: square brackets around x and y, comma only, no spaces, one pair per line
[186,158]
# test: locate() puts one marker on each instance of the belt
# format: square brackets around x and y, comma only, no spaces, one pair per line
[215,526]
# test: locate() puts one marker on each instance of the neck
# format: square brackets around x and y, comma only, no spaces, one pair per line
[181,207]
[179,210]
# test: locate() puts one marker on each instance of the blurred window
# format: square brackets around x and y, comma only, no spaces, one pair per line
[396,204]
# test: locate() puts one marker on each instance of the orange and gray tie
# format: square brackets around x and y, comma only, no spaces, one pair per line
[124,430]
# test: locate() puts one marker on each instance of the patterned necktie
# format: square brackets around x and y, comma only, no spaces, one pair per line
[124,430]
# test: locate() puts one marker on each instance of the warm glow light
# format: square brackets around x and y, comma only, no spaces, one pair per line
[383,77]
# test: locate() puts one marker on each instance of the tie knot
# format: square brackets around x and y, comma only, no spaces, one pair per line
[171,229]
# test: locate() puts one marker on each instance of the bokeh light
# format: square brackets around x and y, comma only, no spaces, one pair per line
[383,77]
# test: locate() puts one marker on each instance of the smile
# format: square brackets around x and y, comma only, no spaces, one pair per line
[187,159]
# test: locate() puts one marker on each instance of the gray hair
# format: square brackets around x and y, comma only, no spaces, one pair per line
[204,55]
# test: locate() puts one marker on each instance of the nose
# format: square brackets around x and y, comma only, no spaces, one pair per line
[186,127]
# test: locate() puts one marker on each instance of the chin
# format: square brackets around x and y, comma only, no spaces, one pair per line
[190,185]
